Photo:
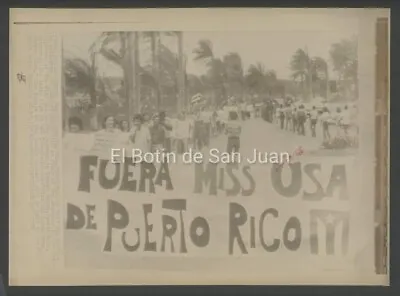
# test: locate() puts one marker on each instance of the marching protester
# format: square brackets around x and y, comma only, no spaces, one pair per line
[213,122]
[313,121]
[198,134]
[250,110]
[109,124]
[167,126]
[294,119]
[146,120]
[325,120]
[206,117]
[233,131]
[72,136]
[139,135]
[288,117]
[124,126]
[345,122]
[157,133]
[281,116]
[221,120]
[75,125]
[301,120]
[182,133]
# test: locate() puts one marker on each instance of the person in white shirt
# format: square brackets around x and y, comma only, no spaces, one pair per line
[221,120]
[313,121]
[124,126]
[106,139]
[182,133]
[140,137]
[109,124]
[345,123]
[146,120]
[325,119]
[278,112]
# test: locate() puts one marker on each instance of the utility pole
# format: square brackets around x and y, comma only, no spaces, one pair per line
[181,73]
[132,74]
[157,36]
[309,75]
[327,81]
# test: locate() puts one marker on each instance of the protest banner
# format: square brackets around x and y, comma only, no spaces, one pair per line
[188,217]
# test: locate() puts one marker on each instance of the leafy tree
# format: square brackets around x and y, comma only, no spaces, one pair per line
[345,64]
[300,65]
[259,80]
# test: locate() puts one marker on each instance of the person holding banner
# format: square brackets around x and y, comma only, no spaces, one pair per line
[109,124]
[182,132]
[124,126]
[106,139]
[75,125]
[75,138]
[146,120]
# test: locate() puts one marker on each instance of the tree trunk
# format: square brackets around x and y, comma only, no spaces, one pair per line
[131,74]
[157,37]
[93,95]
[181,73]
[154,89]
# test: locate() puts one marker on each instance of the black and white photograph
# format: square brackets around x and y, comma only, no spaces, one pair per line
[296,89]
[206,153]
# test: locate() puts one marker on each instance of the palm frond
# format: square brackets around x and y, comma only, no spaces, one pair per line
[111,55]
[203,51]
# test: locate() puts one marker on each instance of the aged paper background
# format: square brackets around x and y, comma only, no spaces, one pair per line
[38,179]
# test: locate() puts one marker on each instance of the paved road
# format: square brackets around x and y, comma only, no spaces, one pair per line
[267,137]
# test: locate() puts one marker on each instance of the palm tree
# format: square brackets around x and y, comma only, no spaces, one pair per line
[127,57]
[234,74]
[259,80]
[319,67]
[181,73]
[83,90]
[215,69]
[79,77]
[164,65]
[156,54]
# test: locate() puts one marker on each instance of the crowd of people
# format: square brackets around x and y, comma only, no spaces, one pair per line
[338,128]
[160,132]
[194,129]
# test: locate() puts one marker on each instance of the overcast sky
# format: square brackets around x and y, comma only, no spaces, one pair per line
[273,48]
